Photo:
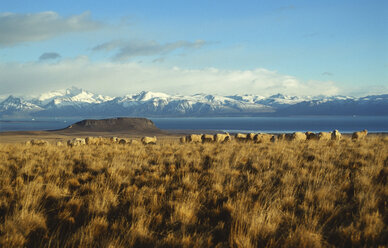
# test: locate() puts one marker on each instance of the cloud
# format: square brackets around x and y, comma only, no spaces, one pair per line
[130,49]
[20,28]
[123,78]
[48,56]
[326,73]
[158,60]
[369,90]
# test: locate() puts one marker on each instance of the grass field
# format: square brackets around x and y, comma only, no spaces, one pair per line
[284,194]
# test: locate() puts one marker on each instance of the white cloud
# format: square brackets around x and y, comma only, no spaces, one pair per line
[129,49]
[369,90]
[123,78]
[19,28]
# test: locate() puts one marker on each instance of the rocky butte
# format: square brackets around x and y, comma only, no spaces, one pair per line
[129,125]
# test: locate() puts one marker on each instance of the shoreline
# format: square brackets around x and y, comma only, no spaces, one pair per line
[61,135]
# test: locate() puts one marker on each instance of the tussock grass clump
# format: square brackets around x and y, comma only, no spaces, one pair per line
[237,194]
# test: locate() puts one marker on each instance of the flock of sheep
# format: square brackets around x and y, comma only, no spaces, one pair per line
[112,140]
[264,137]
[204,138]
[97,141]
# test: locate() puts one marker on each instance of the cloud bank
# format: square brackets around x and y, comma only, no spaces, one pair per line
[129,49]
[20,28]
[121,78]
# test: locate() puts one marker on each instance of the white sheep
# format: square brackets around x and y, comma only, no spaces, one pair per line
[360,135]
[336,135]
[194,138]
[148,140]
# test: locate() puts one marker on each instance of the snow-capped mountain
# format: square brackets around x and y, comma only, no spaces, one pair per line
[277,100]
[80,103]
[151,103]
[14,105]
[340,105]
[71,96]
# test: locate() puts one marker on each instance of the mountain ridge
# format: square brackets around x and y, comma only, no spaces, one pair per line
[82,103]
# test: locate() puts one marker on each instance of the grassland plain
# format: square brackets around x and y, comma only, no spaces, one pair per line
[283,194]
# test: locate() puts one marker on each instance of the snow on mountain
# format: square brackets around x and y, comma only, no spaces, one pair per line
[153,102]
[14,104]
[148,95]
[71,96]
[78,102]
[340,105]
[51,95]
[247,98]
[279,100]
[374,98]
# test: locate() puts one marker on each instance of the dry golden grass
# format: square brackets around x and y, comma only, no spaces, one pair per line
[284,194]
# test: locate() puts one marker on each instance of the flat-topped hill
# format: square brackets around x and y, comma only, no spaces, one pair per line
[120,127]
[114,125]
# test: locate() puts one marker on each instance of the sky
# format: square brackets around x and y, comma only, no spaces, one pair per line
[186,47]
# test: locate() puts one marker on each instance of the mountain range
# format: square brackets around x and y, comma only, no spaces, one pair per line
[75,102]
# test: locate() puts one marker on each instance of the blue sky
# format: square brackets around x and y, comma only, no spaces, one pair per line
[253,47]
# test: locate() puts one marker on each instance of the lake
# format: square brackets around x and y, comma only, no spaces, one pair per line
[230,124]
